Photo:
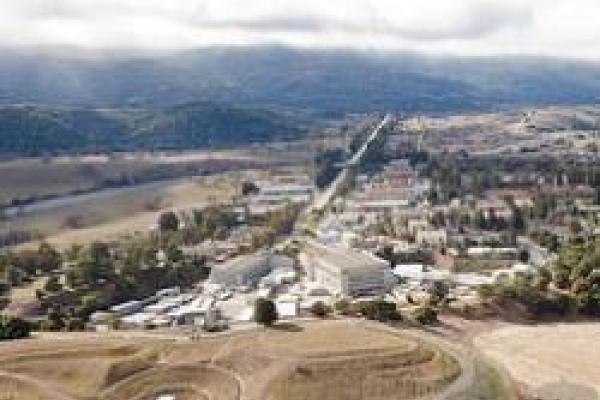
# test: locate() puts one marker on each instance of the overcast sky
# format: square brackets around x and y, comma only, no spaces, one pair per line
[463,27]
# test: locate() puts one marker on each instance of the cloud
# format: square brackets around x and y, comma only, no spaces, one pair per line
[463,27]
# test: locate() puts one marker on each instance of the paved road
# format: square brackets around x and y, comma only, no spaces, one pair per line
[324,198]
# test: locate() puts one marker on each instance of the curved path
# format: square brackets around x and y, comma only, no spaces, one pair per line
[40,386]
[461,354]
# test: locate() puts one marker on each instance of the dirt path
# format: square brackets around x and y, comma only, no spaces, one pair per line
[41,387]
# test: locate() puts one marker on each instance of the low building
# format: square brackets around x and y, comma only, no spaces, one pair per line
[128,308]
[345,272]
[432,237]
[416,225]
[287,307]
[476,259]
[138,320]
[192,313]
[169,292]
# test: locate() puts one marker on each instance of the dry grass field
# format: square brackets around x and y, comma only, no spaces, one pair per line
[288,362]
[122,212]
[32,177]
[545,355]
[26,178]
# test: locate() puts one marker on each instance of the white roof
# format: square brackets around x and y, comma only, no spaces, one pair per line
[488,250]
[125,306]
[158,307]
[472,279]
[521,267]
[418,272]
[402,269]
[247,314]
[286,308]
[138,318]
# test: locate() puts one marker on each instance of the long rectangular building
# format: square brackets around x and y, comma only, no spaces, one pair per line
[344,271]
[248,269]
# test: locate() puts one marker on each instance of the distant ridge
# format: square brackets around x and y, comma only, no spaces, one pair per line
[88,102]
[330,82]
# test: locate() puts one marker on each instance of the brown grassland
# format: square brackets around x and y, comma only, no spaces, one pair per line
[545,355]
[122,213]
[320,360]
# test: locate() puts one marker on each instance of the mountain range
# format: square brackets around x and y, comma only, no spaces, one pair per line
[56,99]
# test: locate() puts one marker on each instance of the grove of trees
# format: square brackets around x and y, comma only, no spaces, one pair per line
[571,285]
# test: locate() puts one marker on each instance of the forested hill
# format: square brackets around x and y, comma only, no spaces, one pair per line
[33,130]
[235,95]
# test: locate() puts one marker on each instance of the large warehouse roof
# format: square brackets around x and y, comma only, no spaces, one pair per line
[345,259]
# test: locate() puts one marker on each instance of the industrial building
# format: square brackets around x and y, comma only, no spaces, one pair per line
[345,272]
[247,270]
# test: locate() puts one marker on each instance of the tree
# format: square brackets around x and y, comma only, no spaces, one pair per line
[320,309]
[425,315]
[380,310]
[517,220]
[344,307]
[99,252]
[49,258]
[14,328]
[265,312]
[53,285]
[438,292]
[524,256]
[168,222]
[543,279]
[249,188]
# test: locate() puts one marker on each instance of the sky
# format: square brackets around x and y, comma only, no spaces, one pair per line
[561,28]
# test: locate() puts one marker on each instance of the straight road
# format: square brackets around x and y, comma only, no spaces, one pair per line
[322,199]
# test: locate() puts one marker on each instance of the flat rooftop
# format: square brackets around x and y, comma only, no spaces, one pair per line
[343,258]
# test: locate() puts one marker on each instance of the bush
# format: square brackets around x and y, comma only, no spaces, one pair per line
[380,310]
[343,307]
[265,312]
[14,328]
[425,315]
[320,309]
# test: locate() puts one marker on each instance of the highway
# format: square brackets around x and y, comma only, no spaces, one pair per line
[323,198]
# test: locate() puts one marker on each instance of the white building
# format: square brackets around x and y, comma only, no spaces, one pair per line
[344,271]
[287,307]
[247,270]
[416,225]
[272,196]
[431,237]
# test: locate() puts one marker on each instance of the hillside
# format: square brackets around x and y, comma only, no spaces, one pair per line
[35,130]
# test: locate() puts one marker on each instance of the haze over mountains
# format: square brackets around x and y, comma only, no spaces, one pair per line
[253,89]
